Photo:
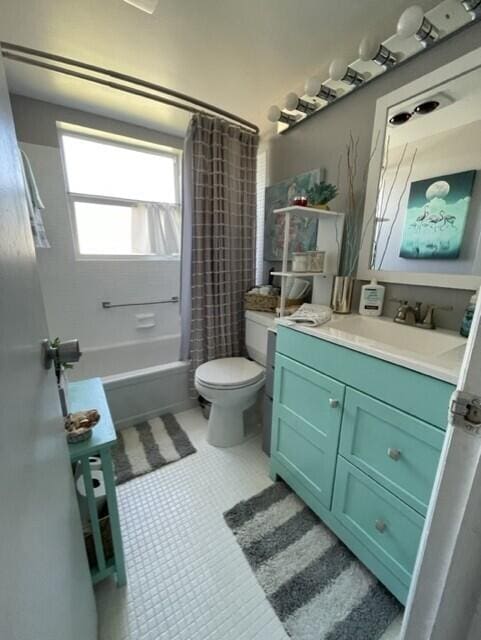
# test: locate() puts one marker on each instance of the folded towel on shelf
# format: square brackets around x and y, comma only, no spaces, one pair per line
[35,204]
[311,314]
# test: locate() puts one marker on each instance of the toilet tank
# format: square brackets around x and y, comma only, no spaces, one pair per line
[257,325]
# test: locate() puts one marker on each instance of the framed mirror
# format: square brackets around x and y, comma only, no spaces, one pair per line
[422,217]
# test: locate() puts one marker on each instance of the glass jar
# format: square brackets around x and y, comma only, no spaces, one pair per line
[315,261]
[299,261]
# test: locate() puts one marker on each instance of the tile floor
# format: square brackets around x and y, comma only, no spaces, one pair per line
[187,577]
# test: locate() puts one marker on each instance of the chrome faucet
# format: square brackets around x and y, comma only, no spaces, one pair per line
[412,316]
[406,314]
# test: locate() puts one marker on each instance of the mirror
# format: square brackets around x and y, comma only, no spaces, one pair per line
[422,221]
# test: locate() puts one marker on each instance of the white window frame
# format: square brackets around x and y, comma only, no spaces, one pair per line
[72,197]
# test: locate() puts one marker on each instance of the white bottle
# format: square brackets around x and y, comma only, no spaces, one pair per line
[372,298]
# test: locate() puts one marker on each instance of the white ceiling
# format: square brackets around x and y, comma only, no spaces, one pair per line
[241,55]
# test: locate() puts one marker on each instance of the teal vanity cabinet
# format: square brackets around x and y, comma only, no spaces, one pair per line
[359,439]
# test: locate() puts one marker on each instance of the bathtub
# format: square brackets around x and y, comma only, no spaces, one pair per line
[141,379]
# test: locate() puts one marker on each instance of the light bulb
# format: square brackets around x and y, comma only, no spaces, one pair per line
[291,101]
[371,49]
[274,114]
[413,23]
[473,7]
[294,103]
[316,89]
[339,70]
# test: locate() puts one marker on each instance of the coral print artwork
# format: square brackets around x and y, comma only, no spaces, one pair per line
[436,217]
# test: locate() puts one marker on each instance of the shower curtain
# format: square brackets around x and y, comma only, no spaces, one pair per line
[218,237]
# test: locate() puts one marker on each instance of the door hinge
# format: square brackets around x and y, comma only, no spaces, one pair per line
[465,412]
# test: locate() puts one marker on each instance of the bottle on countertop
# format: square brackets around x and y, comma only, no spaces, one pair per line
[468,316]
[372,299]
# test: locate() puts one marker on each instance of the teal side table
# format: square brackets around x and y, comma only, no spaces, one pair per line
[90,394]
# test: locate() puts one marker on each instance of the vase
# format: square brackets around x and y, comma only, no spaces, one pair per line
[342,294]
[323,207]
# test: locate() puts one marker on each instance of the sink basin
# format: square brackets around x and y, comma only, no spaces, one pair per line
[437,353]
[422,341]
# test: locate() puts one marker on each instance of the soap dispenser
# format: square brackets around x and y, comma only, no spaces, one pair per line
[372,298]
[468,316]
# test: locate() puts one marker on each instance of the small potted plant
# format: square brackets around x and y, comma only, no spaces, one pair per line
[320,194]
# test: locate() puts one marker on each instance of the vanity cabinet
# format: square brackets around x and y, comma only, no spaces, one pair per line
[359,439]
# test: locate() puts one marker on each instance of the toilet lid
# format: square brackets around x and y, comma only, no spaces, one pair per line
[229,372]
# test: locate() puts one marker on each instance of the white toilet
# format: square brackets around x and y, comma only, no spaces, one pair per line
[232,384]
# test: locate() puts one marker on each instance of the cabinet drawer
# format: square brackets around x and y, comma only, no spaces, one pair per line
[384,524]
[306,425]
[397,450]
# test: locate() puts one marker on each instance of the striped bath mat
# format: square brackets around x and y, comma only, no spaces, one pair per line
[317,588]
[149,445]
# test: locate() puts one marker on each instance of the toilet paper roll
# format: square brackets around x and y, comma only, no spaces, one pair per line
[95,463]
[99,493]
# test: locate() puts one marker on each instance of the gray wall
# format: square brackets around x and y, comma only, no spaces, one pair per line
[321,140]
[35,122]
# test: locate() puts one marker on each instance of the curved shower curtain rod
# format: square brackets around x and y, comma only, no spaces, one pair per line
[7,48]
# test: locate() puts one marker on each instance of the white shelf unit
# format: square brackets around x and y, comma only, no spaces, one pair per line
[329,239]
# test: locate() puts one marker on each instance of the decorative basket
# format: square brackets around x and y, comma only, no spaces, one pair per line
[106,537]
[256,302]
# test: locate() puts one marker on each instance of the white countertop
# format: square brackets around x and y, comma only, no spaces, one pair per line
[436,353]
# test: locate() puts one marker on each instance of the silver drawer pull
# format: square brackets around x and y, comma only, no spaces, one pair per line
[395,454]
[333,403]
[380,526]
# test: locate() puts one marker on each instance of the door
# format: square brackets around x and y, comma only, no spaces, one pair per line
[306,425]
[45,589]
[444,602]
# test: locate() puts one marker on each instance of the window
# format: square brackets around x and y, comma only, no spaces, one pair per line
[125,199]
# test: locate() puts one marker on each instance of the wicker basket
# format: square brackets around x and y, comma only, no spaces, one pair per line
[106,536]
[256,302]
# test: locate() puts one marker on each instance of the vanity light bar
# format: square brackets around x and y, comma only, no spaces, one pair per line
[473,7]
[412,23]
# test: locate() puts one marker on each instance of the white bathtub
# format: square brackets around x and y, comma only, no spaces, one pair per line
[141,379]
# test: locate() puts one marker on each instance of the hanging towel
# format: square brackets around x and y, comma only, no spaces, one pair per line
[35,204]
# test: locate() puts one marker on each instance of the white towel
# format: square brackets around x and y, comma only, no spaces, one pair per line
[35,204]
[311,314]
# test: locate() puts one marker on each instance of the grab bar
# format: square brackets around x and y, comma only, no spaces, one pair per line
[108,305]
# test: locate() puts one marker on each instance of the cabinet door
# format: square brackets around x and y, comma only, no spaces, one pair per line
[394,448]
[306,425]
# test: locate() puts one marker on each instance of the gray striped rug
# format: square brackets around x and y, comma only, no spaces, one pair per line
[316,586]
[149,445]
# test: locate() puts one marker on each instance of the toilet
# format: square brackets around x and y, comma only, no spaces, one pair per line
[232,385]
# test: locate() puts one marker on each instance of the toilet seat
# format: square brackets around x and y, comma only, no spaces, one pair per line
[229,373]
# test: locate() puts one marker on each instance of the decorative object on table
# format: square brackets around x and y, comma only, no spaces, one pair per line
[315,261]
[79,425]
[303,231]
[306,572]
[372,299]
[300,201]
[468,316]
[320,194]
[299,261]
[342,294]
[148,446]
[436,217]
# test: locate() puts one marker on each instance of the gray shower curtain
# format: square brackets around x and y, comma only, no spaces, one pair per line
[218,237]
